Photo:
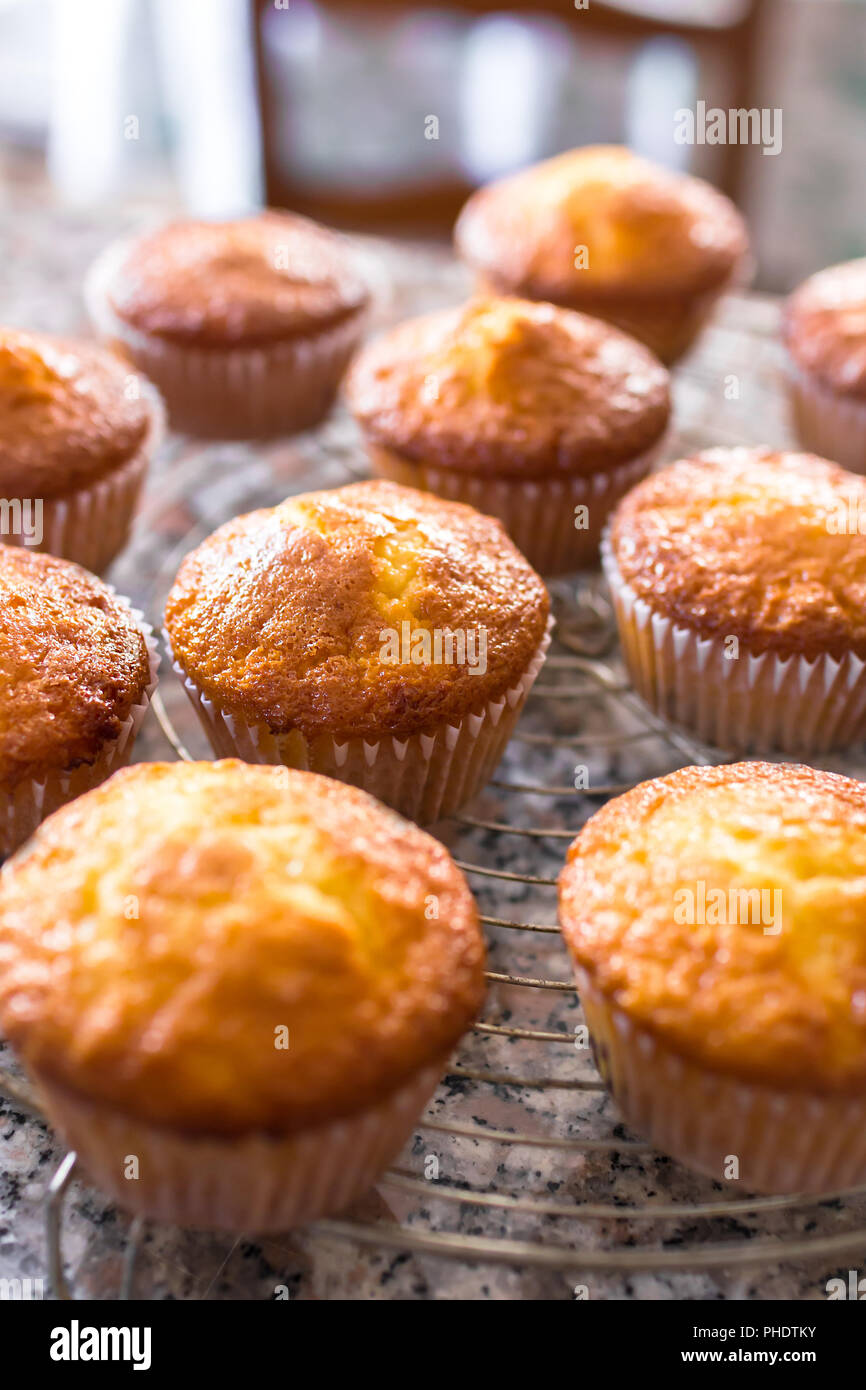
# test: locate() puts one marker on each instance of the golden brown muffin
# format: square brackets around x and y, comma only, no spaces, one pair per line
[77,673]
[739,584]
[67,415]
[717,919]
[270,953]
[825,334]
[534,414]
[510,388]
[245,325]
[77,430]
[247,283]
[602,230]
[749,542]
[372,632]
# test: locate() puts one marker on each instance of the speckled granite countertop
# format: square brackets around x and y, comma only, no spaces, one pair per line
[562,1196]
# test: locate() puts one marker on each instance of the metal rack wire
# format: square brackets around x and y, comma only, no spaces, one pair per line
[431,1237]
[532,1169]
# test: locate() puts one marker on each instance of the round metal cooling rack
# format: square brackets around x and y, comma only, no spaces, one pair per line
[520,1160]
[423,1230]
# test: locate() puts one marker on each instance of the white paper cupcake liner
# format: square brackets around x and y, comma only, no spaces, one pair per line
[238,393]
[670,327]
[782,1140]
[743,704]
[92,524]
[258,1182]
[826,423]
[424,777]
[539,516]
[32,800]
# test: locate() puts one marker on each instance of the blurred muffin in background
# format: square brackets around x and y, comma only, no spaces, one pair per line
[534,414]
[825,334]
[246,326]
[601,230]
[77,431]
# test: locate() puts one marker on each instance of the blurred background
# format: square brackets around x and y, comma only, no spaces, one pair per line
[383,116]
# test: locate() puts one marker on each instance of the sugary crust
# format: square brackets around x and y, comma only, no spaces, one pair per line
[753,544]
[74,663]
[248,283]
[510,388]
[69,415]
[160,934]
[294,616]
[647,233]
[785,1008]
[825,327]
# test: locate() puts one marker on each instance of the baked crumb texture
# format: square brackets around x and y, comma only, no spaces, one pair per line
[161,934]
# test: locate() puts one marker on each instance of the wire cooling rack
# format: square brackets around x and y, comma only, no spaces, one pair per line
[520,1180]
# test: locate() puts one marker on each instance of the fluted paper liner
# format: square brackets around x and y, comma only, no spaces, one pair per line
[741,704]
[538,515]
[782,1140]
[424,777]
[24,809]
[229,393]
[256,1182]
[826,422]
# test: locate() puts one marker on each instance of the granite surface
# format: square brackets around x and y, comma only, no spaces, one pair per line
[531,1150]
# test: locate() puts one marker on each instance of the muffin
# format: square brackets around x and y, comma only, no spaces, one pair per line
[79,667]
[738,580]
[245,326]
[534,414]
[602,230]
[825,334]
[372,633]
[717,923]
[78,429]
[251,994]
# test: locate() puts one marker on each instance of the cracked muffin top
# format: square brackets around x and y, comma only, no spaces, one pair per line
[766,546]
[312,615]
[723,909]
[601,221]
[511,388]
[222,948]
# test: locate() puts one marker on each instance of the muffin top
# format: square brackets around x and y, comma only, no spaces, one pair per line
[313,615]
[646,231]
[764,546]
[74,662]
[250,282]
[512,388]
[70,413]
[260,954]
[825,327]
[724,910]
